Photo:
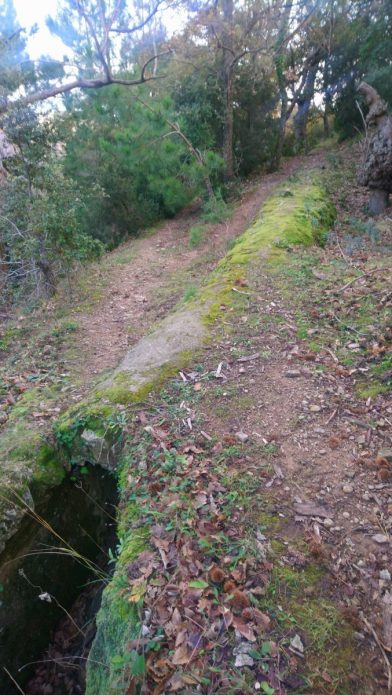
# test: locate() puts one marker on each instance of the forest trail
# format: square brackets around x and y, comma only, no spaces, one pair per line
[275,447]
[145,278]
[263,469]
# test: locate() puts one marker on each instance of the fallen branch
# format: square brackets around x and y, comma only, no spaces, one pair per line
[364,275]
[382,650]
[247,294]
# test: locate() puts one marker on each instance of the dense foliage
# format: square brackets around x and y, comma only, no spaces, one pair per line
[144,122]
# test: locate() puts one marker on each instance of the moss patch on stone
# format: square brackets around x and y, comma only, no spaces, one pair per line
[300,213]
[301,217]
[117,624]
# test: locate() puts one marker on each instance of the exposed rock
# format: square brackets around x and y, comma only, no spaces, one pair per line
[242,437]
[310,509]
[98,450]
[380,538]
[292,373]
[385,454]
[376,168]
[296,645]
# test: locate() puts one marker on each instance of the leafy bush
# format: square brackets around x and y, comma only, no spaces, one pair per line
[215,210]
[41,230]
[196,235]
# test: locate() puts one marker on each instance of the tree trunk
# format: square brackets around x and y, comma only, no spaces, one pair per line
[228,127]
[228,85]
[378,201]
[3,270]
[49,280]
[280,63]
[327,112]
[281,128]
[303,102]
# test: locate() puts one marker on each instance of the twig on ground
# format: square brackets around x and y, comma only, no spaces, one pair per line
[382,650]
[14,681]
[364,275]
[331,417]
[248,294]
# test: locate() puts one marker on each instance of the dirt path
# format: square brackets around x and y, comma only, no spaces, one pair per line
[264,470]
[149,276]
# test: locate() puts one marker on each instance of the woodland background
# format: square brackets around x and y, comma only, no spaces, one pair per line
[136,122]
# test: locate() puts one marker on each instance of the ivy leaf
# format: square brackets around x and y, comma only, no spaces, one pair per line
[198,584]
[267,689]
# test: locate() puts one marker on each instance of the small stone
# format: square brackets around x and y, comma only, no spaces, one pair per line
[323,452]
[347,488]
[314,408]
[385,575]
[292,373]
[380,538]
[243,660]
[328,523]
[346,515]
[296,645]
[242,437]
[242,370]
[386,454]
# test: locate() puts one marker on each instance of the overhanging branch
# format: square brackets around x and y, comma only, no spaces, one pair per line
[81,83]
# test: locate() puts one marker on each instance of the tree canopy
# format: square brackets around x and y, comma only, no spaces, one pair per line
[136,121]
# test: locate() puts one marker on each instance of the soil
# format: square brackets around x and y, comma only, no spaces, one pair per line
[133,299]
[308,436]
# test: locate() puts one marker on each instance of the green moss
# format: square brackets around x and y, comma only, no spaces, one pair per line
[304,218]
[49,469]
[372,390]
[330,643]
[117,625]
[269,521]
[35,399]
[9,335]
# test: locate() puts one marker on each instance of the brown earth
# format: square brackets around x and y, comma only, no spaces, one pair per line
[292,420]
[145,289]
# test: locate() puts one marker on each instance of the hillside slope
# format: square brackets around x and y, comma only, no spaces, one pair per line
[254,546]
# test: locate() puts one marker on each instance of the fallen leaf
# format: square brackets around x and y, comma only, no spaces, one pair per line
[244,629]
[198,584]
[182,655]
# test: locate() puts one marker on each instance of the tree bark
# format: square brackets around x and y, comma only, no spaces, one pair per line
[378,201]
[228,86]
[326,114]
[375,170]
[281,79]
[304,101]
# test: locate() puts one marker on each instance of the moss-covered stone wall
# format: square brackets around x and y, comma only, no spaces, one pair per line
[299,213]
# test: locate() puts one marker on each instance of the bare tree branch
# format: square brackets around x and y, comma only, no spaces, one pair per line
[137,27]
[82,83]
